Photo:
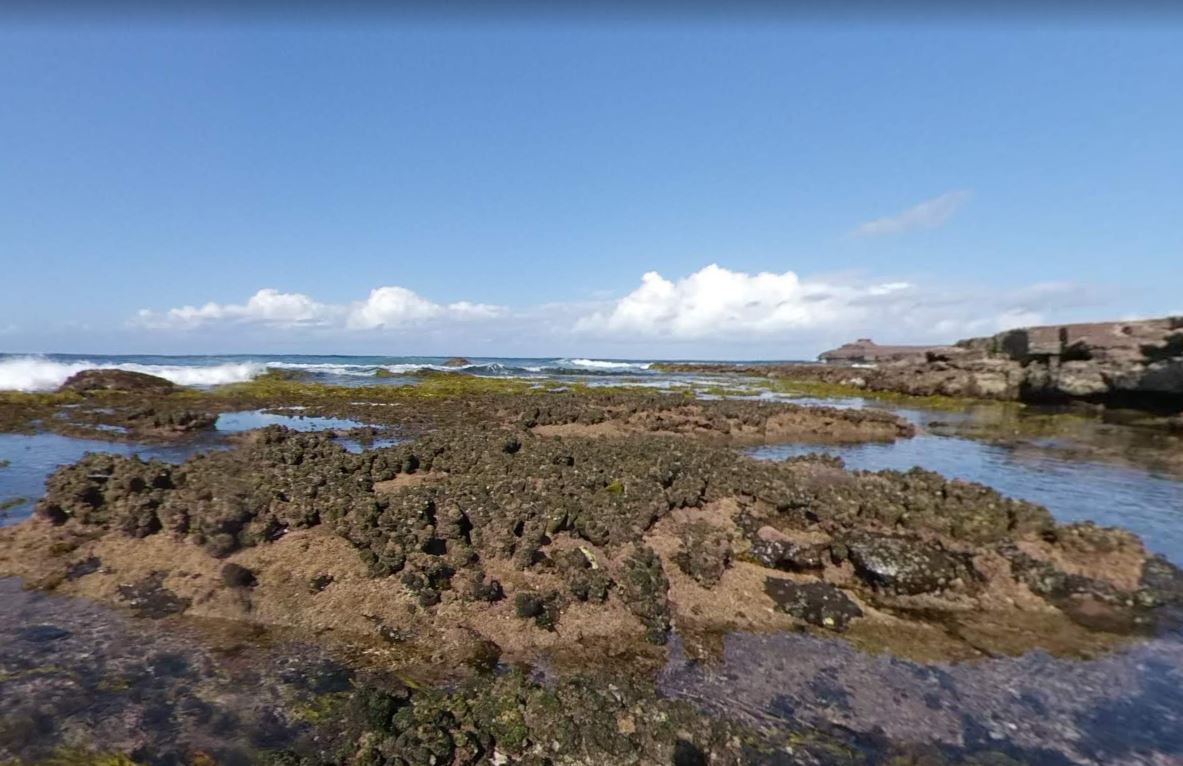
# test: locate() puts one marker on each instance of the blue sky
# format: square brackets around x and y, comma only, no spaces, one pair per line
[411,187]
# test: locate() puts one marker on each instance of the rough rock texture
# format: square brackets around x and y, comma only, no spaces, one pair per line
[116,380]
[625,537]
[817,603]
[457,361]
[1122,363]
[867,351]
[1136,364]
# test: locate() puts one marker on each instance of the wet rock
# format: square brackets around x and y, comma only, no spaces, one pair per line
[88,565]
[1162,583]
[1046,580]
[238,576]
[644,589]
[787,555]
[705,553]
[457,361]
[585,579]
[149,598]
[486,590]
[116,380]
[905,566]
[817,603]
[542,608]
[149,422]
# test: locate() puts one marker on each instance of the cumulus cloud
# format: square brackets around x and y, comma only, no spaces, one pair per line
[385,307]
[926,215]
[714,311]
[267,306]
[716,303]
[396,306]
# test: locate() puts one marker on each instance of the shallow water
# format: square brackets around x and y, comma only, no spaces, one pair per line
[31,458]
[1123,708]
[234,422]
[75,673]
[1073,490]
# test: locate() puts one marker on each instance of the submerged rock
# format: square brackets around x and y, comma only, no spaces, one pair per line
[149,598]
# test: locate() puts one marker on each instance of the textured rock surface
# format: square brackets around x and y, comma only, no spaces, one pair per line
[1124,364]
[626,536]
[116,380]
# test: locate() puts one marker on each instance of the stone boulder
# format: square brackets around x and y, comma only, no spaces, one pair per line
[905,566]
[116,380]
[817,603]
[457,361]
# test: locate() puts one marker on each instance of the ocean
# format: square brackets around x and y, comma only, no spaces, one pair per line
[45,372]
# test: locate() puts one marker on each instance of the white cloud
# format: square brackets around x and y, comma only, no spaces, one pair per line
[715,301]
[396,306]
[717,304]
[267,306]
[385,307]
[712,312]
[925,215]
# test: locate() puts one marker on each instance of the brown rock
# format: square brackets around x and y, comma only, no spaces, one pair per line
[116,380]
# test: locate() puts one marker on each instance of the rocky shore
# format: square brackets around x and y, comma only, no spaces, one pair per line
[1137,364]
[506,584]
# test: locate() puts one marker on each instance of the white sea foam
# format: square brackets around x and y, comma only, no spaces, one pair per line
[34,373]
[597,364]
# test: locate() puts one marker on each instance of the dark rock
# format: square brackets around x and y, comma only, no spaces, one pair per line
[1162,583]
[319,582]
[787,555]
[817,603]
[86,566]
[905,566]
[238,576]
[457,361]
[544,609]
[1045,580]
[41,634]
[486,590]
[481,655]
[705,553]
[116,380]
[150,422]
[149,598]
[644,589]
[585,580]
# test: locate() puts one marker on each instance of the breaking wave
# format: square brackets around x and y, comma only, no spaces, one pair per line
[33,373]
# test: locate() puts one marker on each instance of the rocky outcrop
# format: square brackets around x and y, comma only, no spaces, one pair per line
[116,380]
[1132,364]
[457,361]
[535,539]
[867,351]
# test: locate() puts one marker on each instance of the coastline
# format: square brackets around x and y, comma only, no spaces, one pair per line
[564,527]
